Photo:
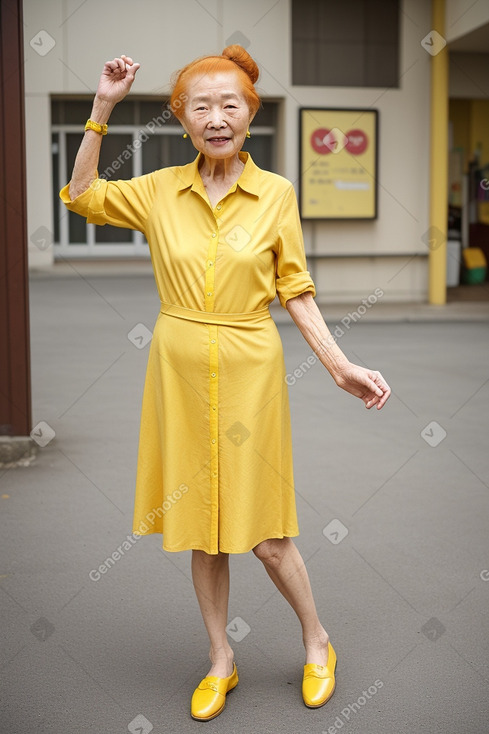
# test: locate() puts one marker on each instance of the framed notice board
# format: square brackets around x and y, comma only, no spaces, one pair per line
[338,163]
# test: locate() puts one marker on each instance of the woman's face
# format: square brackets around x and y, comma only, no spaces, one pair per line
[216,114]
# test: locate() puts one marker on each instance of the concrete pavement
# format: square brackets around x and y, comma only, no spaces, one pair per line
[393,511]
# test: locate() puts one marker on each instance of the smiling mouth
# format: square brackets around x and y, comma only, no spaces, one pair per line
[217,139]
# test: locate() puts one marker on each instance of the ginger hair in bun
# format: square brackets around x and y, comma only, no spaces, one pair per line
[233,58]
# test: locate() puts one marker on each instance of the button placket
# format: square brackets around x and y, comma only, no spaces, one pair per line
[210,270]
[209,290]
[213,435]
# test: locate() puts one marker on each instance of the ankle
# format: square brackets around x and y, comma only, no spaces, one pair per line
[223,653]
[318,638]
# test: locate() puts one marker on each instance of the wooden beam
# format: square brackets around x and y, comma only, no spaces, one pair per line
[15,380]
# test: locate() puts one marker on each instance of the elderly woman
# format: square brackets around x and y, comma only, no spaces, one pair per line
[214,470]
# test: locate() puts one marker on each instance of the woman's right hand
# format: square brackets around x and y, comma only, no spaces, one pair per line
[116,80]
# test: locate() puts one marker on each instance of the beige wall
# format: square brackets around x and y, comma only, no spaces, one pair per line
[464,16]
[403,181]
[164,35]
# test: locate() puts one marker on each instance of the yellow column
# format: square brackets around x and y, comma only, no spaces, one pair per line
[438,163]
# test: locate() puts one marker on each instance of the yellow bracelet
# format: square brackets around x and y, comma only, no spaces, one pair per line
[91,125]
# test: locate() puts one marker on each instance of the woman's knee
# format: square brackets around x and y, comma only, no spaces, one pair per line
[209,559]
[271,551]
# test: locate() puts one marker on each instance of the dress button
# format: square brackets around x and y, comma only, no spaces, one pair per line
[210,263]
[213,440]
[213,374]
[213,234]
[213,407]
[209,293]
[219,206]
[213,341]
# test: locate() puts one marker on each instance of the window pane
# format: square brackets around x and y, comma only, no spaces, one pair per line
[116,148]
[382,21]
[345,44]
[266,115]
[56,184]
[116,162]
[305,66]
[112,235]
[167,150]
[157,111]
[76,112]
[345,23]
[149,110]
[56,112]
[341,64]
[76,224]
[381,59]
[124,113]
[260,149]
[117,155]
[304,20]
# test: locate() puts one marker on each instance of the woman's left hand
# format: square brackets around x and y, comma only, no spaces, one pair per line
[369,385]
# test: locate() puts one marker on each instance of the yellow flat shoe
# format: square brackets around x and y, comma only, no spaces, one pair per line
[318,683]
[209,698]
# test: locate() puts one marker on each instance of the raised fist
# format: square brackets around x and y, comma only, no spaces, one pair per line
[117,78]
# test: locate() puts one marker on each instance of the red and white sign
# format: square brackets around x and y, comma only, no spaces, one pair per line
[320,141]
[325,141]
[357,142]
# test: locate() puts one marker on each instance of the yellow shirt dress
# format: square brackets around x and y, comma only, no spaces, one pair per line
[214,469]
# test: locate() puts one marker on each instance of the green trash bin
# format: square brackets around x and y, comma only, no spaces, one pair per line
[474,266]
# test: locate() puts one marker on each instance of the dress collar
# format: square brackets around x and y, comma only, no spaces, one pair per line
[249,179]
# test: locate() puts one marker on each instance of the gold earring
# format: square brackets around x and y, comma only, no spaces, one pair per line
[185,135]
[248,134]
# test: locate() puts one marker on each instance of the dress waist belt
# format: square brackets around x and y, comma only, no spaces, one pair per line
[249,318]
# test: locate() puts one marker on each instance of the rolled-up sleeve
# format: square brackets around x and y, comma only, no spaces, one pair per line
[122,203]
[292,276]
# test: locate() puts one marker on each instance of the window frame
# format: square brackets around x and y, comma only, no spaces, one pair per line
[368,42]
[138,247]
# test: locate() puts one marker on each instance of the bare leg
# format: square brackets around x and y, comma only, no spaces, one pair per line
[210,574]
[285,566]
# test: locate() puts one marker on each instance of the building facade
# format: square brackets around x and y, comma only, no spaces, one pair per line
[378,61]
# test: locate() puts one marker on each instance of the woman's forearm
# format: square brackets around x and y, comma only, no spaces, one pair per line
[307,316]
[87,158]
